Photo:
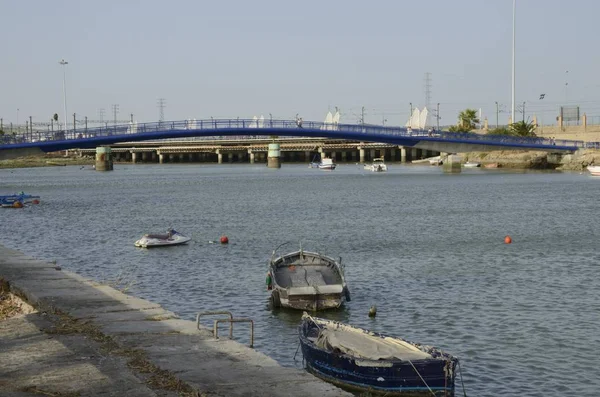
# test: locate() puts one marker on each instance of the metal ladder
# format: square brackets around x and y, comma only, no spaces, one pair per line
[229,320]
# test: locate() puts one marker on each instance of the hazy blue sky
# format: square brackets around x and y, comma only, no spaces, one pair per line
[245,58]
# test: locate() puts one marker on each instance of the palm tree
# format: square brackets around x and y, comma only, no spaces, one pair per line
[468,119]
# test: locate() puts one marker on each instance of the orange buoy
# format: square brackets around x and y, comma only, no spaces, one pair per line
[17,204]
[224,240]
[507,240]
[36,201]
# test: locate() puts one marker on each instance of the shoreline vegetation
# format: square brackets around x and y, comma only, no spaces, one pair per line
[522,159]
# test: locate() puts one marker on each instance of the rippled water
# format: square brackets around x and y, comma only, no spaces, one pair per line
[425,247]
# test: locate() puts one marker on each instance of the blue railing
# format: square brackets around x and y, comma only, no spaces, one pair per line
[266,128]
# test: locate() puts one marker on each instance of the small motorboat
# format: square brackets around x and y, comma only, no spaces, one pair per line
[471,164]
[21,198]
[436,160]
[594,170]
[378,165]
[365,361]
[327,164]
[172,237]
[306,281]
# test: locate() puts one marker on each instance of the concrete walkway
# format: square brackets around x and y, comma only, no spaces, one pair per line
[89,339]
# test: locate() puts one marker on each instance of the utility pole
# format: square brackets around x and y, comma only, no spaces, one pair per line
[86,124]
[410,114]
[437,116]
[1,124]
[115,109]
[523,111]
[497,114]
[74,121]
[101,113]
[30,127]
[161,109]
[362,116]
[131,118]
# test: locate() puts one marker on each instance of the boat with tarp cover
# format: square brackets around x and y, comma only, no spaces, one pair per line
[172,237]
[361,360]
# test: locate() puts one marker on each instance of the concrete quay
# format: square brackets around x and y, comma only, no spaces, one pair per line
[88,339]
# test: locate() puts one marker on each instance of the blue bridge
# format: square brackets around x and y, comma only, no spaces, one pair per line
[16,145]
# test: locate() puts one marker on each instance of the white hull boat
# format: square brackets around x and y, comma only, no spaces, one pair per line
[594,170]
[377,166]
[172,237]
[470,164]
[327,164]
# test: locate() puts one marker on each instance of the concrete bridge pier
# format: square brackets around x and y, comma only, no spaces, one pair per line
[402,154]
[274,156]
[133,157]
[361,152]
[171,158]
[219,156]
[104,159]
[251,155]
[161,158]
[452,164]
[230,157]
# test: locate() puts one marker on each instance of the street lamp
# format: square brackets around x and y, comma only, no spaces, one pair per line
[17,117]
[513,63]
[64,64]
[496,115]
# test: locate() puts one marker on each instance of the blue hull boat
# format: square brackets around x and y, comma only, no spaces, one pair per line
[364,361]
[9,201]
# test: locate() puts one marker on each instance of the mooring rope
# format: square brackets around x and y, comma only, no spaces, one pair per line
[425,383]
[461,379]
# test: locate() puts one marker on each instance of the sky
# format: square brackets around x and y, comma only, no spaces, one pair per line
[228,59]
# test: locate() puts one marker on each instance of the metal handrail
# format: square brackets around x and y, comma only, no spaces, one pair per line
[231,321]
[231,125]
[213,313]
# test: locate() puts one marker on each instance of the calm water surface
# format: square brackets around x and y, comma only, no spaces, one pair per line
[425,247]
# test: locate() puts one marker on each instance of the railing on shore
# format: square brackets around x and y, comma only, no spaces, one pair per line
[253,129]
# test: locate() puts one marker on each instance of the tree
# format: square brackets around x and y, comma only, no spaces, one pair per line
[522,128]
[467,120]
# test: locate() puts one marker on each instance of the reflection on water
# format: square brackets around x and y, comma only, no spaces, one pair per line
[426,248]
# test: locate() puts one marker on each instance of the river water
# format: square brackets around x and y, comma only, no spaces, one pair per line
[426,248]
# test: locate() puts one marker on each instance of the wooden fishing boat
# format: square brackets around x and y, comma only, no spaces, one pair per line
[360,360]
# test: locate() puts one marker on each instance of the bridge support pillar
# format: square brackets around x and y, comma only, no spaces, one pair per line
[171,158]
[322,154]
[133,157]
[230,157]
[451,164]
[361,151]
[274,156]
[104,159]
[161,158]
[402,154]
[392,154]
[251,154]
[219,156]
[344,156]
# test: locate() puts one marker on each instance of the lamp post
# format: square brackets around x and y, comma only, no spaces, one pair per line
[17,117]
[64,64]
[496,114]
[512,115]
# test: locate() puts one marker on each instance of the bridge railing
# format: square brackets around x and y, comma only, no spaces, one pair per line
[260,125]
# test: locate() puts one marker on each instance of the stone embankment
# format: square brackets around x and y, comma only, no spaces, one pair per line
[535,159]
[87,339]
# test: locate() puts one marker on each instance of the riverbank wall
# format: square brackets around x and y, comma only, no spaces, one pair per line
[87,339]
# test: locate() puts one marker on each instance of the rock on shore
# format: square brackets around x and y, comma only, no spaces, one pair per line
[527,159]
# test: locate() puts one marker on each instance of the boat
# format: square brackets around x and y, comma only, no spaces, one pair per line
[306,280]
[364,361]
[471,164]
[172,237]
[22,198]
[314,163]
[594,170]
[436,160]
[327,164]
[377,166]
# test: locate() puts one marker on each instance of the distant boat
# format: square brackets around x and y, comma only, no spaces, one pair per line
[365,361]
[327,164]
[471,164]
[594,170]
[377,166]
[172,237]
[21,197]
